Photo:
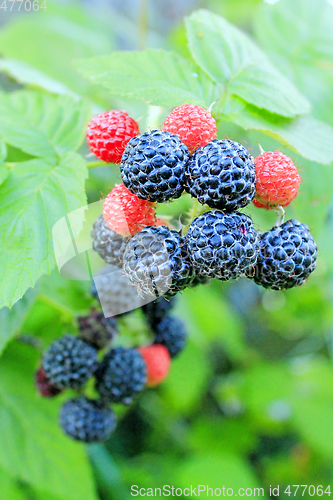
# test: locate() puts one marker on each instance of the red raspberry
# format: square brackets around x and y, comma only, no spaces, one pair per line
[194,125]
[261,205]
[277,180]
[157,359]
[109,133]
[127,214]
[44,386]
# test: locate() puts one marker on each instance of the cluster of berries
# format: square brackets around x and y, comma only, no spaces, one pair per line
[120,372]
[154,260]
[222,243]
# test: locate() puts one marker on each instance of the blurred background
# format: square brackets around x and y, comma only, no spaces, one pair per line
[249,403]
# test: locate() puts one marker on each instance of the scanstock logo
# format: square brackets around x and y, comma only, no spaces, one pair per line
[76,260]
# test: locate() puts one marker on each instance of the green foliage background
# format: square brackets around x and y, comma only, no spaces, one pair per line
[250,401]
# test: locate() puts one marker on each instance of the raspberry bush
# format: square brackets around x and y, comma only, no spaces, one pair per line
[148,307]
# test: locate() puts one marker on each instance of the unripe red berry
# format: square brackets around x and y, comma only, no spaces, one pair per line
[195,125]
[277,180]
[125,213]
[261,205]
[108,134]
[44,386]
[157,359]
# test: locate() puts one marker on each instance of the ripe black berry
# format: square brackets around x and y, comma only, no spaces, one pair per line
[87,420]
[69,362]
[97,330]
[115,293]
[153,166]
[171,333]
[121,375]
[156,260]
[222,246]
[222,175]
[109,245]
[156,310]
[287,256]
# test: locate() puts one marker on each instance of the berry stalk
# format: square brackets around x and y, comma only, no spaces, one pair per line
[280,212]
[93,164]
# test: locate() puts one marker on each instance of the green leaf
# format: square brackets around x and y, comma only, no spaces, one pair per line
[303,390]
[157,77]
[311,206]
[216,470]
[72,294]
[216,321]
[28,75]
[4,173]
[313,403]
[32,446]
[266,384]
[49,41]
[306,135]
[213,434]
[305,39]
[301,46]
[43,125]
[3,150]
[187,380]
[231,58]
[10,490]
[16,155]
[34,197]
[107,474]
[16,130]
[11,320]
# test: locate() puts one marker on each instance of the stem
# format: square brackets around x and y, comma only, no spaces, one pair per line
[261,149]
[222,102]
[164,217]
[98,163]
[143,23]
[280,212]
[32,340]
[196,210]
[211,106]
[154,117]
